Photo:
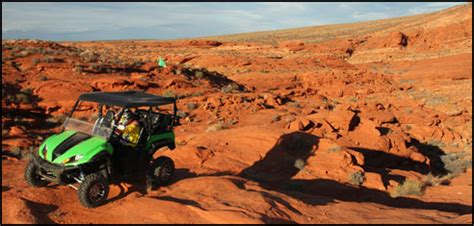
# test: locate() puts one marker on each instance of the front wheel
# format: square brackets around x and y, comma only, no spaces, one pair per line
[32,177]
[93,190]
[161,172]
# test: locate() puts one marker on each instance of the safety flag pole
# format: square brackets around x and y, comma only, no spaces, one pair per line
[161,62]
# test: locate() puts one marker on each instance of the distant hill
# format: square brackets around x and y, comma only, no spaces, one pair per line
[315,34]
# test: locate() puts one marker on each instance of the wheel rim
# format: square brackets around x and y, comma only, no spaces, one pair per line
[163,173]
[36,175]
[97,192]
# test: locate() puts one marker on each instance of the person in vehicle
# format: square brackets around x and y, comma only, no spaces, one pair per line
[129,128]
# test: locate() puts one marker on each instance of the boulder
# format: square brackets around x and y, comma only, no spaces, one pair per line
[374,181]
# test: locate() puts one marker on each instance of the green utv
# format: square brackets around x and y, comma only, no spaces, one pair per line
[89,155]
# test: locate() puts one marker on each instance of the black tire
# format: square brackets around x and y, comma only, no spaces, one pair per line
[32,177]
[93,190]
[161,172]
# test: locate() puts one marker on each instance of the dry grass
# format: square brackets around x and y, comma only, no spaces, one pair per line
[408,187]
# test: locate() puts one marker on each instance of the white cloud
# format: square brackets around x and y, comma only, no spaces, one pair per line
[165,19]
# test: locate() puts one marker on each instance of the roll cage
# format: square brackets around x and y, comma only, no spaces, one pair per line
[130,99]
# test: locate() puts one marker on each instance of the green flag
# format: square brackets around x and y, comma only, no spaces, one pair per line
[161,63]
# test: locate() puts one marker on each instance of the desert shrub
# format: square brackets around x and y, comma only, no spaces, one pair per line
[77,69]
[191,106]
[456,163]
[408,187]
[177,71]
[22,98]
[89,56]
[43,78]
[5,132]
[197,94]
[300,164]
[16,151]
[51,59]
[180,142]
[182,114]
[35,61]
[169,93]
[334,148]
[216,127]
[293,104]
[199,74]
[230,88]
[432,180]
[276,118]
[357,178]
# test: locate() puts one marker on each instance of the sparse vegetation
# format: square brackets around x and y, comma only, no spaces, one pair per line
[169,93]
[16,151]
[230,88]
[276,118]
[334,148]
[408,187]
[300,164]
[293,104]
[199,74]
[357,178]
[182,114]
[217,126]
[191,106]
[456,163]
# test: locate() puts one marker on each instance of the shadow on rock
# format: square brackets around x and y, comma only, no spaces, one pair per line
[276,169]
[40,211]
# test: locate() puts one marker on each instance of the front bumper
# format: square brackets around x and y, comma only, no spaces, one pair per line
[53,172]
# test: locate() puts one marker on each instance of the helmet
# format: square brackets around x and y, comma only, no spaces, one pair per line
[127,116]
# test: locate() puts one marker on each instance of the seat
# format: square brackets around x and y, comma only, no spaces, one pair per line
[108,119]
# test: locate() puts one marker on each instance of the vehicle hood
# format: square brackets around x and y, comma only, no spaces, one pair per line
[60,147]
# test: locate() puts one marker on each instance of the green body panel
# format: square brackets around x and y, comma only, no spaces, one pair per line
[52,142]
[159,137]
[88,148]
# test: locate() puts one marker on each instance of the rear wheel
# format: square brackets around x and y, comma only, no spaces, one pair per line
[93,190]
[32,177]
[161,172]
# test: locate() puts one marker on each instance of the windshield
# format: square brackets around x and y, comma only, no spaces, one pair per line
[86,127]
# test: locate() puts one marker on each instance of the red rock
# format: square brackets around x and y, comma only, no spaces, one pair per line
[150,66]
[340,120]
[418,157]
[16,131]
[216,102]
[300,124]
[374,181]
[141,83]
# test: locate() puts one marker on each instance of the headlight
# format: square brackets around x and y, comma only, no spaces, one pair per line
[73,159]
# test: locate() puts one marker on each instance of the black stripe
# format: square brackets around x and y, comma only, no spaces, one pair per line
[69,143]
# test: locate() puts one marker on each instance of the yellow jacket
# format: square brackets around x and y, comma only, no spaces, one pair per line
[131,133]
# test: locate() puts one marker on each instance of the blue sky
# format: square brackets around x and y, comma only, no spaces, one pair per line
[163,20]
